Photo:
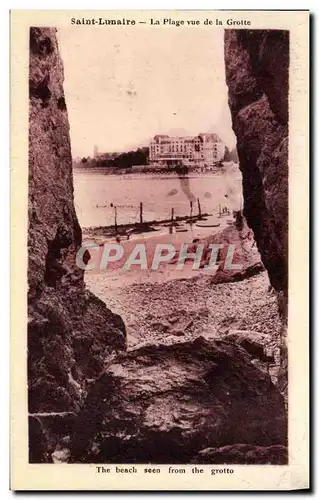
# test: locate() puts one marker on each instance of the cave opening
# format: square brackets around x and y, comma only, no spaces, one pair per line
[176,326]
[122,206]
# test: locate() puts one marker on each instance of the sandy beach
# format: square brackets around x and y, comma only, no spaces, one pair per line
[119,276]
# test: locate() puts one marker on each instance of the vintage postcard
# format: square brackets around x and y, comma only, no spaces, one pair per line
[160,186]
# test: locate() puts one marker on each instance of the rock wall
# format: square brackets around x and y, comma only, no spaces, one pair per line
[71,333]
[257,64]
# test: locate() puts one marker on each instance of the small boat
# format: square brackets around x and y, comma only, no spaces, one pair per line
[207,224]
[181,229]
[209,221]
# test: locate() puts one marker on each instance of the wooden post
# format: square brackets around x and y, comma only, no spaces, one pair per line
[220,213]
[170,228]
[141,212]
[115,218]
[199,208]
[191,207]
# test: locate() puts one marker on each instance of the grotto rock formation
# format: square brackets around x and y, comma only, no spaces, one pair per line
[167,404]
[71,333]
[257,64]
[89,401]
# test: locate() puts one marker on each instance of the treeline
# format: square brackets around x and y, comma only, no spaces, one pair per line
[118,160]
[231,155]
[136,157]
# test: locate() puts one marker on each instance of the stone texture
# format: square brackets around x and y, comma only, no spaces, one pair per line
[71,333]
[244,454]
[163,404]
[257,64]
[245,254]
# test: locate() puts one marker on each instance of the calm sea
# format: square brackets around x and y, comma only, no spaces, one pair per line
[96,194]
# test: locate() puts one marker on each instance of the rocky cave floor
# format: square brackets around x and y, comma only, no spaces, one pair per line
[184,309]
[180,393]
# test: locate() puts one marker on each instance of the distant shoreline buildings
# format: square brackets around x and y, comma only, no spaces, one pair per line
[203,150]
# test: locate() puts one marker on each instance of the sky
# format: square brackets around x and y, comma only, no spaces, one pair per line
[124,85]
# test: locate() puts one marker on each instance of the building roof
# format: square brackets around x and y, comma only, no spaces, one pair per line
[210,136]
[203,135]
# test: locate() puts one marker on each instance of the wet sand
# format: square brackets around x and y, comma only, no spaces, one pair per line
[116,274]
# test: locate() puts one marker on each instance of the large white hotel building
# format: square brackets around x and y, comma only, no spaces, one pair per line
[203,150]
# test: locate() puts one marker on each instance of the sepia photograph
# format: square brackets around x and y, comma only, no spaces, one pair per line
[158,226]
[161,199]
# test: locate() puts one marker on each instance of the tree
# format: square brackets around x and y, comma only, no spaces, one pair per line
[234,155]
[230,155]
[227,154]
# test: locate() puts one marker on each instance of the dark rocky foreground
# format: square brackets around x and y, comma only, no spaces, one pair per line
[164,404]
[90,400]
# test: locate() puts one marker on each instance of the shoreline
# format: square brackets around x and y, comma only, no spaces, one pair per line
[136,252]
[109,171]
[140,228]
